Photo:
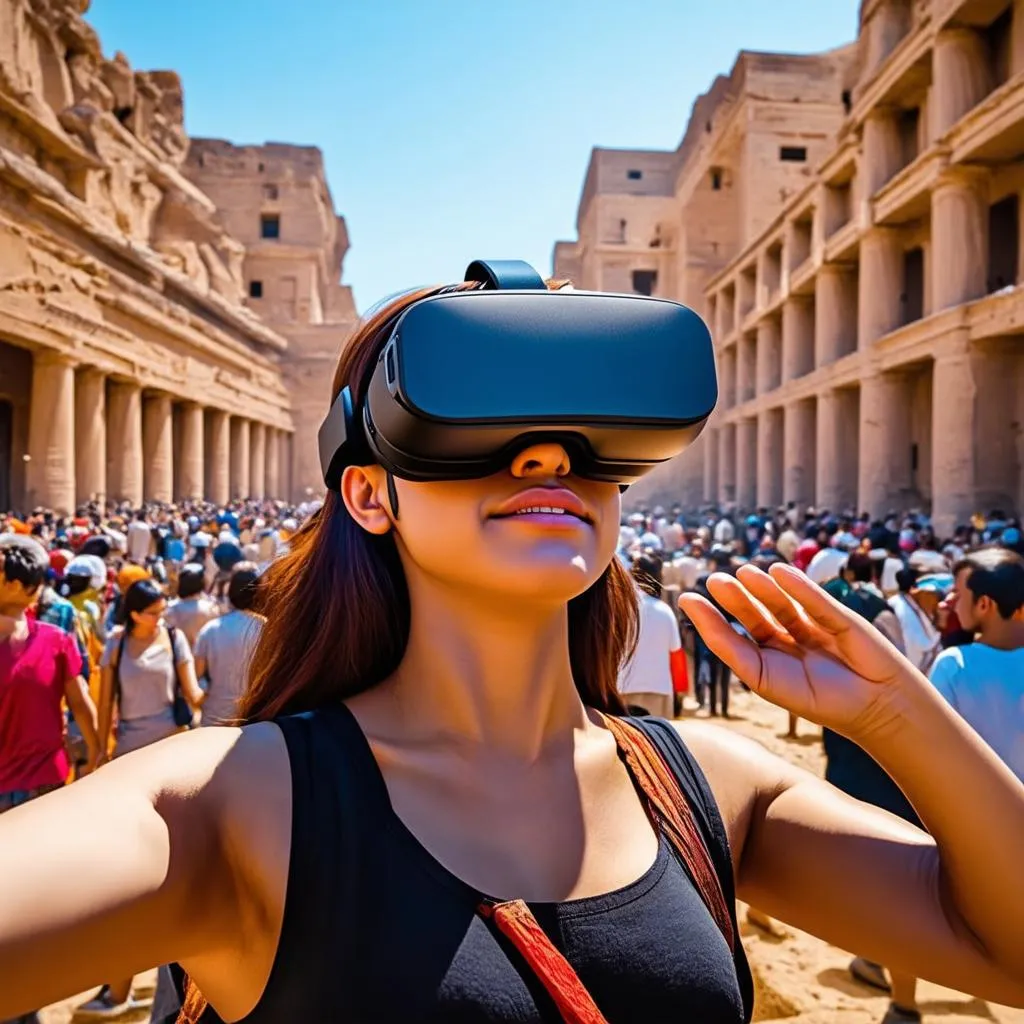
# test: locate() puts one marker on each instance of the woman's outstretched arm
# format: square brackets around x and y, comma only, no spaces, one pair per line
[946,906]
[119,872]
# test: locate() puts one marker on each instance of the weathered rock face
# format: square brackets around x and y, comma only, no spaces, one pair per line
[129,365]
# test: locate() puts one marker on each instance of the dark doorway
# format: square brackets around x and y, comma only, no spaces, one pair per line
[912,299]
[645,281]
[1003,243]
[6,440]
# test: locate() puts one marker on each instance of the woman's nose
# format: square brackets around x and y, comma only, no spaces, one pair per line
[548,459]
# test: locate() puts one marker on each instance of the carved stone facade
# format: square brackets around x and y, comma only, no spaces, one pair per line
[870,331]
[275,199]
[131,366]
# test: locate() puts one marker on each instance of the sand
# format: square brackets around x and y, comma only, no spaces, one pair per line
[799,978]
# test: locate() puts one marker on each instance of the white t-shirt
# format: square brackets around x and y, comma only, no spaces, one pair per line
[920,637]
[649,671]
[226,644]
[986,686]
[140,538]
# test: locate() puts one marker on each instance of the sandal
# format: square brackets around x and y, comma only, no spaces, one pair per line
[869,973]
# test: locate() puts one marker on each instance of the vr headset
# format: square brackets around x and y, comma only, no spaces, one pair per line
[468,379]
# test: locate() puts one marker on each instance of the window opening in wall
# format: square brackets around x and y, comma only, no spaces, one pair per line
[645,281]
[912,299]
[847,98]
[259,167]
[999,40]
[793,154]
[915,454]
[270,192]
[255,289]
[270,226]
[1003,243]
[909,129]
[716,179]
[124,113]
[622,230]
[634,175]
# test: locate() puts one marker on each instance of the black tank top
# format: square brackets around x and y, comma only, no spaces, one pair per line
[375,929]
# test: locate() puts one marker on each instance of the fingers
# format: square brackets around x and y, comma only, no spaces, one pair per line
[736,599]
[786,611]
[820,606]
[738,652]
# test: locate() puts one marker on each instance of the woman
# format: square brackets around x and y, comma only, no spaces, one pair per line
[454,663]
[656,670]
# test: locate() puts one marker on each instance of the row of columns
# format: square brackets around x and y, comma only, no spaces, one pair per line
[851,446]
[97,438]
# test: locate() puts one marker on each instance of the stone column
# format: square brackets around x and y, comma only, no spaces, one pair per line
[884,471]
[879,307]
[257,460]
[50,471]
[190,455]
[882,150]
[158,448]
[710,482]
[240,458]
[218,457]
[961,76]
[769,355]
[124,442]
[746,369]
[273,463]
[954,400]
[769,458]
[1017,38]
[799,443]
[727,463]
[90,435]
[835,315]
[746,463]
[797,339]
[727,363]
[829,485]
[959,257]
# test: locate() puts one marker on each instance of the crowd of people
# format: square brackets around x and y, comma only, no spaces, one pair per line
[120,627]
[953,606]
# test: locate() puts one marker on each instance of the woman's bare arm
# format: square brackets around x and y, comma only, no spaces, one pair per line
[76,693]
[105,712]
[189,684]
[153,872]
[944,906]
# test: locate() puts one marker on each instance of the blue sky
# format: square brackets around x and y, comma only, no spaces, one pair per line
[454,129]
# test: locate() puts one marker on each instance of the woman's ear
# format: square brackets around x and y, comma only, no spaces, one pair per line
[361,489]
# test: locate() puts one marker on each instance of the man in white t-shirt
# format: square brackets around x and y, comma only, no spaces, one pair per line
[984,681]
[140,539]
[648,679]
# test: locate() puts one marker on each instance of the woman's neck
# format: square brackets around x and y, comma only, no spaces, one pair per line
[142,636]
[487,673]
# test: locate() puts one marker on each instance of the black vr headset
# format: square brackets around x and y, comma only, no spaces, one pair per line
[468,379]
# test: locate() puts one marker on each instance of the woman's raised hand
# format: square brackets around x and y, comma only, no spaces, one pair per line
[806,652]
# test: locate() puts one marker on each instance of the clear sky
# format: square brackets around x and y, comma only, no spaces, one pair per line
[454,129]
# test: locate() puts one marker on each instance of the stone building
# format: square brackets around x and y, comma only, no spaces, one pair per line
[664,223]
[131,364]
[869,334]
[276,201]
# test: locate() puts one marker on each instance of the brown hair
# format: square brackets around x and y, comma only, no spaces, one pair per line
[337,606]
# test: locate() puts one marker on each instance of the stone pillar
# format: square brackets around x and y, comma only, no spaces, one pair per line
[882,150]
[954,399]
[90,435]
[797,339]
[257,460]
[727,463]
[158,448]
[191,454]
[50,471]
[239,458]
[218,457]
[799,443]
[728,363]
[1017,38]
[769,356]
[746,369]
[835,315]
[746,463]
[959,257]
[710,481]
[879,307]
[124,442]
[884,472]
[769,458]
[961,76]
[829,485]
[273,463]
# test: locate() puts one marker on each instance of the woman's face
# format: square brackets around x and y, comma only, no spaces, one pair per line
[149,619]
[534,532]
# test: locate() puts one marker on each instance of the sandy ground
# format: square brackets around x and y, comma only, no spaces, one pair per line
[799,978]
